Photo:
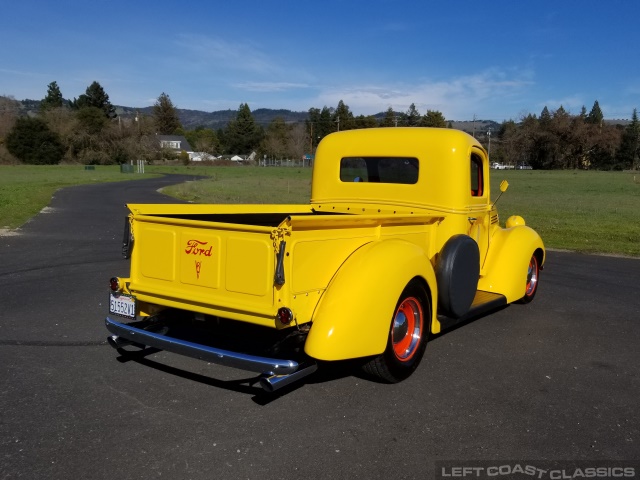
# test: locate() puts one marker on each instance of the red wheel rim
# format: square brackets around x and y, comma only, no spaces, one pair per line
[406,329]
[532,276]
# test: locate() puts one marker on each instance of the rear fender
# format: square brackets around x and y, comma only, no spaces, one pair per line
[353,317]
[505,269]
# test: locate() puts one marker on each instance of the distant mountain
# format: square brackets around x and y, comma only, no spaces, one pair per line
[191,119]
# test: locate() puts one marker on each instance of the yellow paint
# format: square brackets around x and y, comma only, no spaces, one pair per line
[349,253]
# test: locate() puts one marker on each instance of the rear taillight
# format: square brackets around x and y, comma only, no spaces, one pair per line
[114,284]
[285,315]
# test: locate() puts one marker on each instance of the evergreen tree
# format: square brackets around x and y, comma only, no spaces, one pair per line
[560,113]
[389,119]
[595,116]
[433,118]
[53,98]
[365,122]
[91,120]
[343,117]
[31,141]
[545,117]
[95,96]
[583,112]
[312,126]
[165,116]
[325,123]
[629,152]
[411,118]
[243,135]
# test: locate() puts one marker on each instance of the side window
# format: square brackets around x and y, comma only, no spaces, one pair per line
[477,180]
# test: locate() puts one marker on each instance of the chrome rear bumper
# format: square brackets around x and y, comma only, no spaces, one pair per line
[276,372]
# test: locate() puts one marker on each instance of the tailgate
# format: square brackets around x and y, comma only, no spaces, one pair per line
[216,268]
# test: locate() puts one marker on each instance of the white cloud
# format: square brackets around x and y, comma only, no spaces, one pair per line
[222,55]
[460,96]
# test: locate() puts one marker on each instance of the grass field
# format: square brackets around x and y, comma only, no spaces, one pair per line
[26,189]
[592,212]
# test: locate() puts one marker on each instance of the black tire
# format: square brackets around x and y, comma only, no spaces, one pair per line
[407,336]
[533,276]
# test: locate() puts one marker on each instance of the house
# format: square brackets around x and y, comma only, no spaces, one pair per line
[174,142]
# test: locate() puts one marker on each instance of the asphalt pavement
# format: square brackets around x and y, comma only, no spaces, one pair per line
[555,380]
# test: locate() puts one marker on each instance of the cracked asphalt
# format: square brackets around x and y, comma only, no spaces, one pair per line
[554,380]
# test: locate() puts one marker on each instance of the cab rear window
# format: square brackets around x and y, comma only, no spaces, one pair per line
[379,169]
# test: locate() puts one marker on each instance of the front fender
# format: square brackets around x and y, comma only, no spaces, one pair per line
[505,269]
[354,315]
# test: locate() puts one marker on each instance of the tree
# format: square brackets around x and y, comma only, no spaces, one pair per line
[9,111]
[91,120]
[545,117]
[433,118]
[95,96]
[203,140]
[53,99]
[365,122]
[320,123]
[411,118]
[31,141]
[297,141]
[583,112]
[343,117]
[242,134]
[165,115]
[629,151]
[595,116]
[274,143]
[390,119]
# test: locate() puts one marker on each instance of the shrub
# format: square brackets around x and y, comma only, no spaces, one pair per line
[31,141]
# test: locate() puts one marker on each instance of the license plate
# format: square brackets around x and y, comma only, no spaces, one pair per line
[123,305]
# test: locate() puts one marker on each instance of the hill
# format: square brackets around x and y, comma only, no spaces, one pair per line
[190,119]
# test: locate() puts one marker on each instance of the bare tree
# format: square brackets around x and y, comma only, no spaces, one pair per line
[298,141]
[9,111]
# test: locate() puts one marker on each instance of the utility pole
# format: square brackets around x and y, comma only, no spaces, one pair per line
[474,125]
[489,150]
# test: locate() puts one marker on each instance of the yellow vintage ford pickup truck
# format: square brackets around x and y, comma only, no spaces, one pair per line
[400,239]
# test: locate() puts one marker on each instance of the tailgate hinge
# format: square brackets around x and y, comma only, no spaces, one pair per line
[280,245]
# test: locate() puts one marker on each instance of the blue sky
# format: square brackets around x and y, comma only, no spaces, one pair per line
[496,60]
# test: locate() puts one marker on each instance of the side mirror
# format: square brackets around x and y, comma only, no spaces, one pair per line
[504,185]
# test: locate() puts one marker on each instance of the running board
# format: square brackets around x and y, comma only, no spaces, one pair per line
[483,302]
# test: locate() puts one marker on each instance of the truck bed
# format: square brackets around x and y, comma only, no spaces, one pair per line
[224,263]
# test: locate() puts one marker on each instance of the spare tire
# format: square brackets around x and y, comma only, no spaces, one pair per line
[457,272]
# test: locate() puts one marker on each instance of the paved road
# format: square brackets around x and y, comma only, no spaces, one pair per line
[557,379]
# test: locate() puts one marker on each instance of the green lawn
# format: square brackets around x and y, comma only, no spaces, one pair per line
[576,210]
[594,212]
[26,189]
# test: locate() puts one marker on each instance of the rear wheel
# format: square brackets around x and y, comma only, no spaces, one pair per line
[407,336]
[533,274]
